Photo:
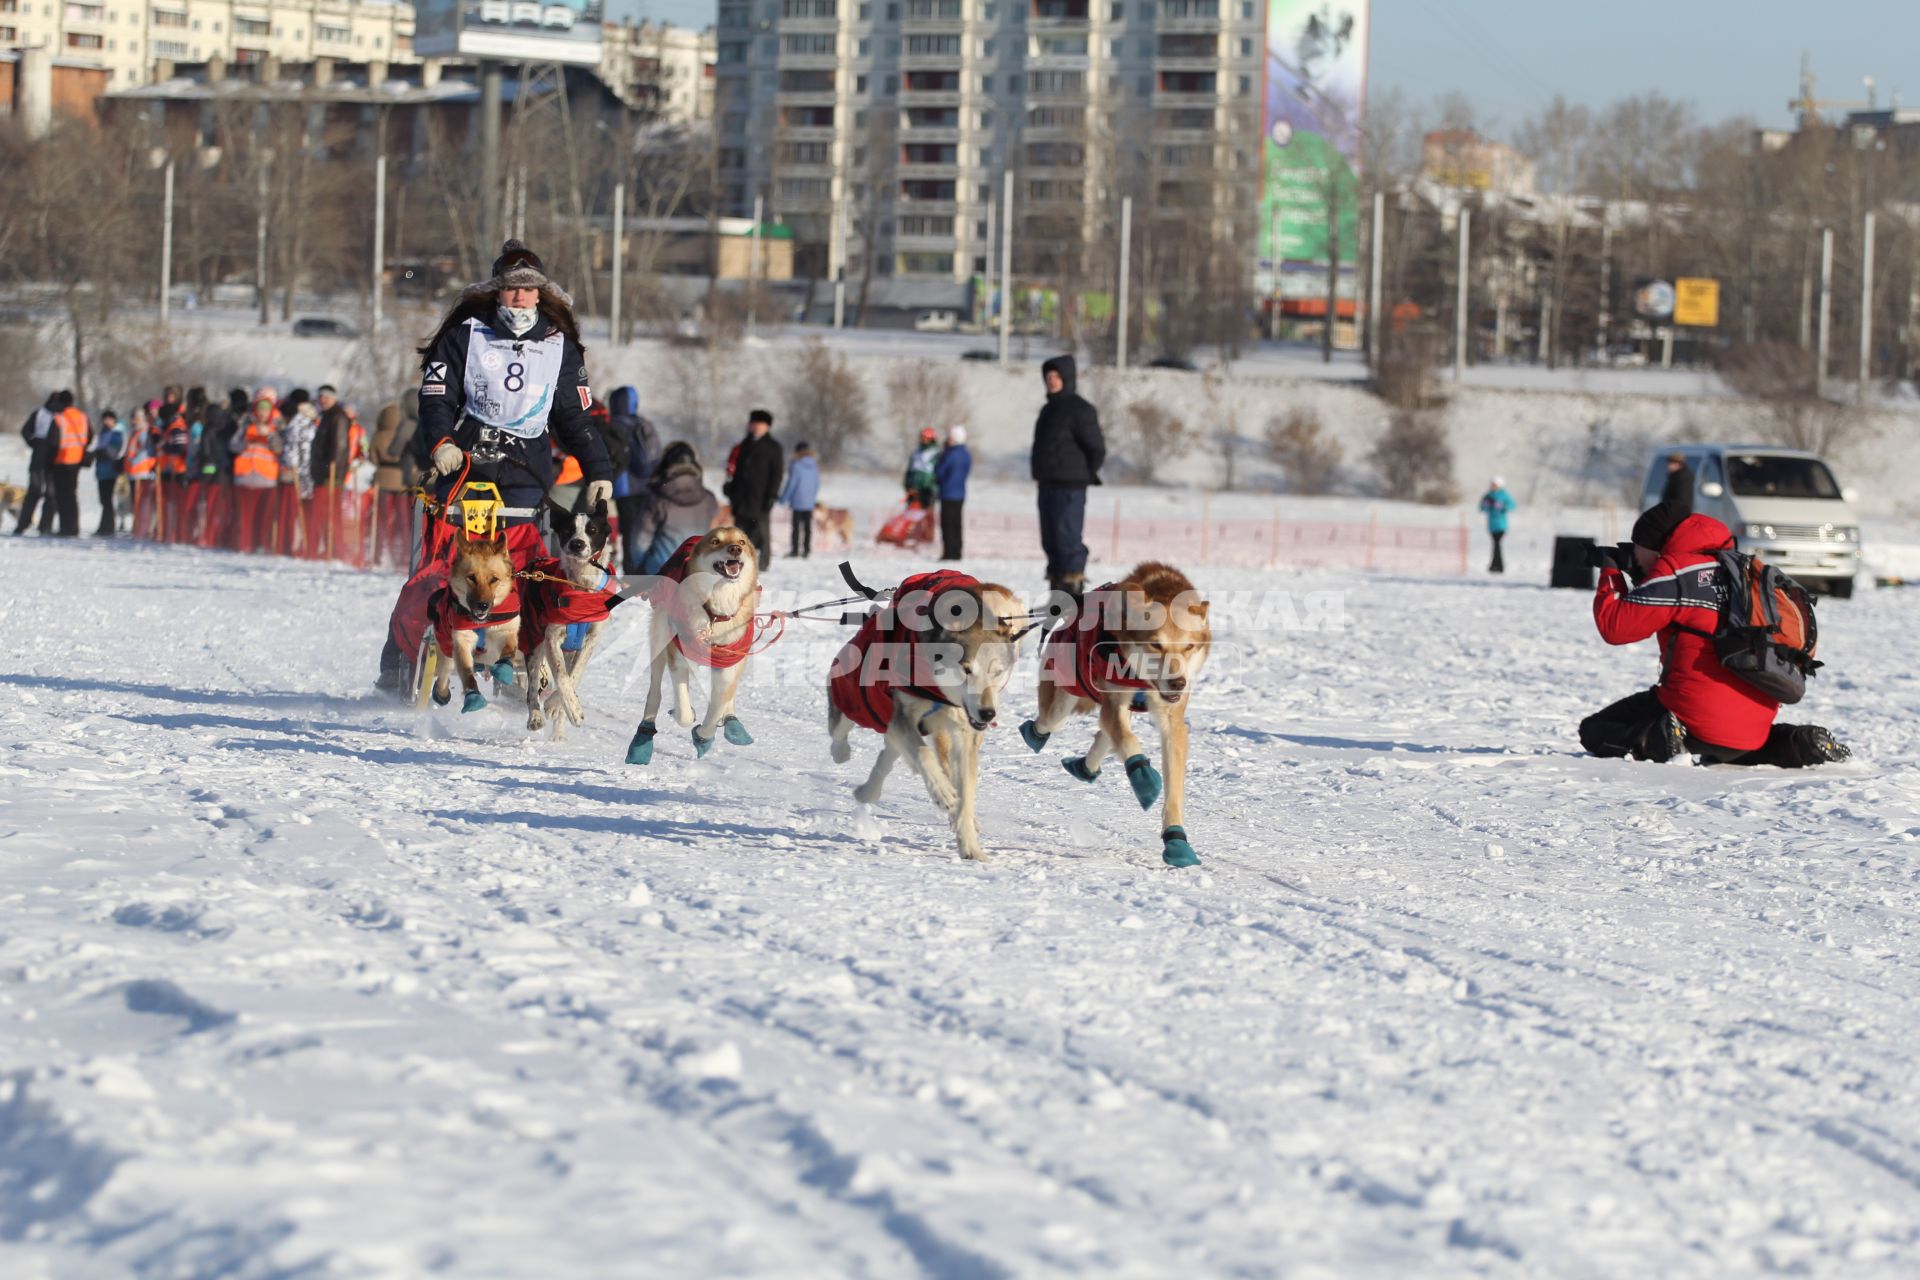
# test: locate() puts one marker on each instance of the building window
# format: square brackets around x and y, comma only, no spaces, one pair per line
[169,49]
[866,13]
[81,40]
[859,84]
[926,264]
[865,47]
[893,13]
[332,35]
[809,43]
[249,27]
[169,18]
[1117,12]
[1246,85]
[1246,11]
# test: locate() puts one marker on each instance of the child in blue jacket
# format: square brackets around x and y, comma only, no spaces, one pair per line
[800,494]
[1496,502]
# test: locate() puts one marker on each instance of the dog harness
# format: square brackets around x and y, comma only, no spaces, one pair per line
[862,686]
[1085,659]
[448,617]
[548,599]
[667,595]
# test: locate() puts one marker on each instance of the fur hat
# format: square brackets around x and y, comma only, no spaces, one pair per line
[517,267]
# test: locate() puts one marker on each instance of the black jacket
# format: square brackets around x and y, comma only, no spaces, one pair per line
[1068,448]
[216,443]
[526,472]
[758,470]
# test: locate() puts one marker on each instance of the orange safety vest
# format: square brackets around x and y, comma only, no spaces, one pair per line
[175,440]
[140,459]
[570,472]
[73,438]
[356,441]
[256,457]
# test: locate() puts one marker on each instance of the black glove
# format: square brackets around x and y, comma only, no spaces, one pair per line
[1619,556]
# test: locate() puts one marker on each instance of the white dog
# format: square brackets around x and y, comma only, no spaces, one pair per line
[702,613]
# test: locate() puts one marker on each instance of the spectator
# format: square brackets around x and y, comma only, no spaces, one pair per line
[37,431]
[919,481]
[1496,503]
[677,505]
[755,485]
[1698,707]
[256,474]
[642,444]
[950,474]
[108,450]
[392,454]
[1068,451]
[1678,491]
[330,456]
[67,451]
[800,495]
[221,422]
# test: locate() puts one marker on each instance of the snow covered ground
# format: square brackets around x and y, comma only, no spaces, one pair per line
[297,983]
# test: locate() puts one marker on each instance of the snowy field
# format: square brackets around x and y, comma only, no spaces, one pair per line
[294,982]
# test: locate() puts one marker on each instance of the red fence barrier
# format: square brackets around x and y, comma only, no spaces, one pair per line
[363,529]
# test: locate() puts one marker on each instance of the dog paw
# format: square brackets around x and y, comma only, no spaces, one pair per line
[1032,736]
[640,750]
[503,674]
[535,722]
[1145,780]
[441,697]
[701,745]
[840,750]
[866,793]
[473,702]
[1174,849]
[736,732]
[1077,766]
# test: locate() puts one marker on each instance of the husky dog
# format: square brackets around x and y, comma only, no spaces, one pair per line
[556,660]
[702,613]
[925,673]
[479,596]
[835,523]
[1138,645]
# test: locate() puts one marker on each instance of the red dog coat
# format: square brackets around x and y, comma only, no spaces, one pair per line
[555,601]
[1084,659]
[864,676]
[445,614]
[667,596]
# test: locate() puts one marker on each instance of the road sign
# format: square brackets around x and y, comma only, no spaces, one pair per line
[1696,302]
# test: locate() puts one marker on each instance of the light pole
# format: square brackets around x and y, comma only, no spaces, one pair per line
[1126,247]
[166,245]
[1866,309]
[379,239]
[1460,301]
[619,245]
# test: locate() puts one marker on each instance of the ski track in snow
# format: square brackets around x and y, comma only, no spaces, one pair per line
[295,983]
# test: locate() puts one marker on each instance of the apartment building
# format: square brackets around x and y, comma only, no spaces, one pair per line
[128,37]
[902,116]
[667,70]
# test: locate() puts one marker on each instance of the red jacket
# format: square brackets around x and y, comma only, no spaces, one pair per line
[1686,588]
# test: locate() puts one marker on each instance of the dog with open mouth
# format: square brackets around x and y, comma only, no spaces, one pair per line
[925,672]
[560,628]
[1137,646]
[480,599]
[702,616]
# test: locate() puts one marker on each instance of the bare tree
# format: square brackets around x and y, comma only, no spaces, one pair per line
[1146,435]
[1780,377]
[826,400]
[920,394]
[1415,460]
[1299,442]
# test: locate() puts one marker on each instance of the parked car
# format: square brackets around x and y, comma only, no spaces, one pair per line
[558,17]
[323,327]
[498,11]
[980,353]
[1782,504]
[937,322]
[526,11]
[1181,363]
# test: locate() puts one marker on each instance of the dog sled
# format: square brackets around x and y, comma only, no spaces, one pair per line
[911,527]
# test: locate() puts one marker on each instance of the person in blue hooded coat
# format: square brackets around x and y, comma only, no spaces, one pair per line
[800,495]
[1496,504]
[642,449]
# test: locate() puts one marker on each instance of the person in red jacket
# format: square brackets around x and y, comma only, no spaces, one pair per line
[1699,707]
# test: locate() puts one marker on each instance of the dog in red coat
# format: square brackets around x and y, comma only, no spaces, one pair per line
[925,674]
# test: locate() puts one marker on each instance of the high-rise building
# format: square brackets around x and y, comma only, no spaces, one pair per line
[128,38]
[902,116]
[667,70]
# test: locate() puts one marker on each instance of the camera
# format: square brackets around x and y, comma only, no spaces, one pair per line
[488,448]
[1619,556]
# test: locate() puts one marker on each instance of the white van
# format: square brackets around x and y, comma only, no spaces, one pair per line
[1782,504]
[937,321]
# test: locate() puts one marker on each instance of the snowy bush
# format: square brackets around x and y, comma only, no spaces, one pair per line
[1299,442]
[1415,460]
[826,403]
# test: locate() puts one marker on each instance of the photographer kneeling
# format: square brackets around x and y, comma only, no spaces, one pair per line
[1699,707]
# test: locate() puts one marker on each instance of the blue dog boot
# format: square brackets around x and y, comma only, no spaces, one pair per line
[736,732]
[1144,779]
[701,745]
[640,750]
[1139,702]
[1032,736]
[1174,849]
[503,673]
[442,699]
[1077,766]
[473,701]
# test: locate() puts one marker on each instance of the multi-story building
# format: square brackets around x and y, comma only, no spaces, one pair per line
[667,70]
[129,37]
[901,118]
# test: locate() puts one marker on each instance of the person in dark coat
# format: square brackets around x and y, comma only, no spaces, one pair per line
[216,436]
[1068,451]
[760,465]
[332,455]
[39,430]
[108,448]
[1678,492]
[675,505]
[629,486]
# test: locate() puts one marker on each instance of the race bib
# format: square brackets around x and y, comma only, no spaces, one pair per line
[509,381]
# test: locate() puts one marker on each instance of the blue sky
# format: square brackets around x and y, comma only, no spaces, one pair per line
[1729,57]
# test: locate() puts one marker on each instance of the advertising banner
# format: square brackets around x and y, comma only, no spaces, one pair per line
[1316,90]
[509,30]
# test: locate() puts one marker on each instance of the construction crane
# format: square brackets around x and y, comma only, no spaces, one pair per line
[1807,107]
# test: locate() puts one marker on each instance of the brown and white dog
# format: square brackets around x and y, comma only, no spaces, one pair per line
[1138,645]
[12,498]
[925,673]
[479,597]
[702,615]
[585,537]
[835,523]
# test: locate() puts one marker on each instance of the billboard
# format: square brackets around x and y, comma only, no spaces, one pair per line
[1316,93]
[509,30]
[1696,302]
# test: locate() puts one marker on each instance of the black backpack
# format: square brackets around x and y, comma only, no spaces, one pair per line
[619,445]
[1766,635]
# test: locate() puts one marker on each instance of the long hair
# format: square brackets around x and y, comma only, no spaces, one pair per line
[479,300]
